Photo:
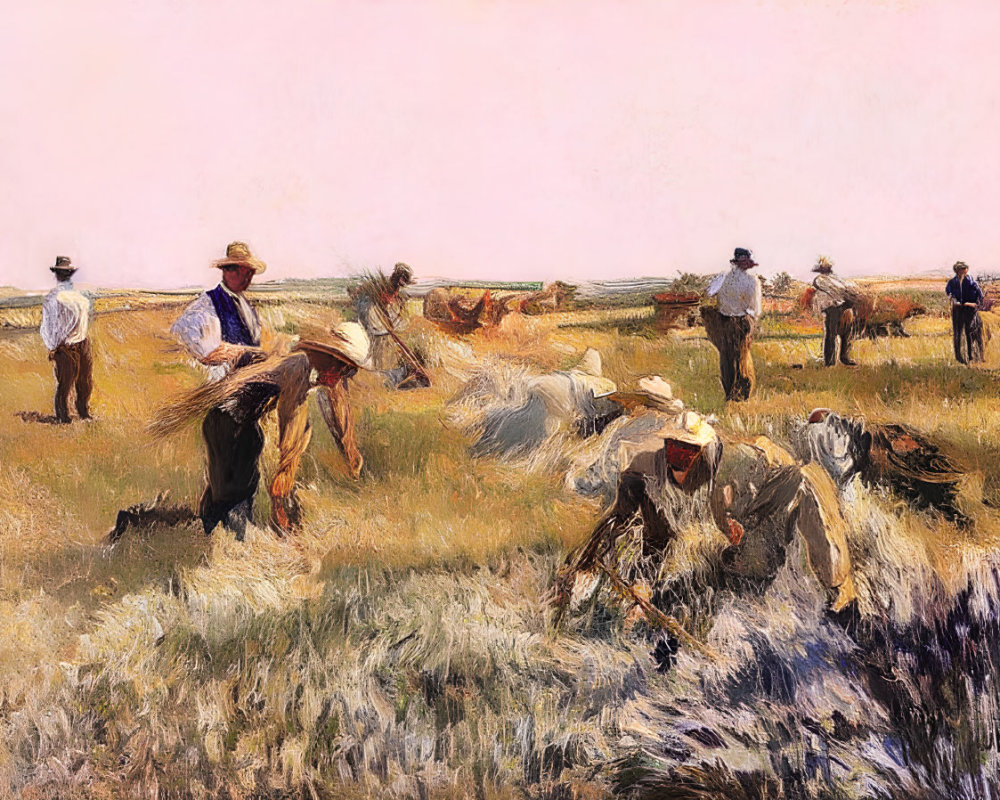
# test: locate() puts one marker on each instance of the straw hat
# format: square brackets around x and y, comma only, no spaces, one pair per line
[238,254]
[659,393]
[350,345]
[351,339]
[656,387]
[694,430]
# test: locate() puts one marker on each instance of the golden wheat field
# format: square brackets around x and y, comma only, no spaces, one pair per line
[399,645]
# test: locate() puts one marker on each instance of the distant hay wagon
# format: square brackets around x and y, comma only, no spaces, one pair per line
[676,310]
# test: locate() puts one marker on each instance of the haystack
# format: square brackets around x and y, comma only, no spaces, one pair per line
[458,312]
[676,310]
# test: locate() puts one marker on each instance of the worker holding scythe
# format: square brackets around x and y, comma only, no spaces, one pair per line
[363,345]
[380,305]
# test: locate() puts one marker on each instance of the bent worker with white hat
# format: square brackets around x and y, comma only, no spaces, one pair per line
[834,298]
[335,362]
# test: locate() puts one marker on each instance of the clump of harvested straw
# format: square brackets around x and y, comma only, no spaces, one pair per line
[174,416]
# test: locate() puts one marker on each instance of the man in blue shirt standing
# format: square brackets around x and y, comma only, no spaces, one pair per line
[965,297]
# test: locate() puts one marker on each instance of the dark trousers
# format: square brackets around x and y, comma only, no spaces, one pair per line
[234,441]
[233,449]
[735,362]
[833,328]
[74,369]
[965,323]
[731,337]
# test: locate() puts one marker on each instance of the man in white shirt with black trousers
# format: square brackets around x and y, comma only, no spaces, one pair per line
[740,299]
[65,325]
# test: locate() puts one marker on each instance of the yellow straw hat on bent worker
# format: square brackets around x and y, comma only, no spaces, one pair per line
[238,254]
[349,345]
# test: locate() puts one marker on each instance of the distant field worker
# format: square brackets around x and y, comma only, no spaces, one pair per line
[834,297]
[65,324]
[966,297]
[380,306]
[730,328]
[222,331]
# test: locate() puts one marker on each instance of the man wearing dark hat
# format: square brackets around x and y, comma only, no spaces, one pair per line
[65,323]
[834,297]
[965,297]
[222,331]
[740,301]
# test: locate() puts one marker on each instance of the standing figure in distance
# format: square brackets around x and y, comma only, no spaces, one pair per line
[222,331]
[65,322]
[965,297]
[730,328]
[834,297]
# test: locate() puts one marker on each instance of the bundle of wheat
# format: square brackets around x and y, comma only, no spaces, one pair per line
[892,455]
[882,316]
[176,415]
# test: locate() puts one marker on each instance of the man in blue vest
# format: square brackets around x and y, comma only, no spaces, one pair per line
[222,331]
[965,297]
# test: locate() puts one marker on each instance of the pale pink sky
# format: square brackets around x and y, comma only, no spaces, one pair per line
[513,140]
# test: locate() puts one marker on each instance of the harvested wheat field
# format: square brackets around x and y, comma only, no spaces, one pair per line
[504,605]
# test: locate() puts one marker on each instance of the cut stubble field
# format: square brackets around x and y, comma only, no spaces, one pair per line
[194,666]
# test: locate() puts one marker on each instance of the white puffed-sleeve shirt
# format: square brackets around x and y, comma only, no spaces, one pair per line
[65,316]
[199,330]
[739,293]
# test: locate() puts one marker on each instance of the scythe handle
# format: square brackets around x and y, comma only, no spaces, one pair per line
[406,352]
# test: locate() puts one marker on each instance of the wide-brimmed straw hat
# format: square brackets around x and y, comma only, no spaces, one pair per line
[62,265]
[694,429]
[353,341]
[823,264]
[238,254]
[349,344]
[659,394]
